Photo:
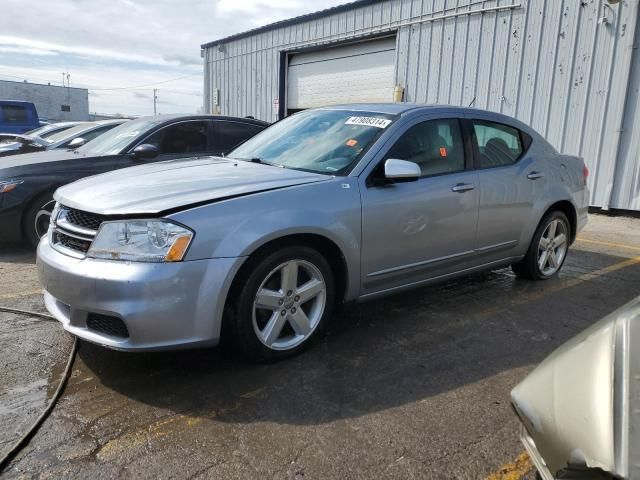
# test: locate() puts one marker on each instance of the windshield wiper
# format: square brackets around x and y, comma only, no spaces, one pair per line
[258,160]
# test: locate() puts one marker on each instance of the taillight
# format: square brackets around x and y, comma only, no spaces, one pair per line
[585,173]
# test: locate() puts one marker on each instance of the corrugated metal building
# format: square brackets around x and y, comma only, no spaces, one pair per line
[569,68]
[52,102]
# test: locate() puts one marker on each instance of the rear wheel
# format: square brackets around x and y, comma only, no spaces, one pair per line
[548,249]
[37,217]
[283,303]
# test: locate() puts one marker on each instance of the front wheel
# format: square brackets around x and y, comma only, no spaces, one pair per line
[37,217]
[548,249]
[283,303]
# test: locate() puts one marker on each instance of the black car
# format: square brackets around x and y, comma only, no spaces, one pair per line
[27,182]
[69,138]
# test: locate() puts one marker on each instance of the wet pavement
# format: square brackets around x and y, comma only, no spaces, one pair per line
[412,386]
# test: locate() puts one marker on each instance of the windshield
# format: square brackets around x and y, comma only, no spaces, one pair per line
[320,141]
[116,139]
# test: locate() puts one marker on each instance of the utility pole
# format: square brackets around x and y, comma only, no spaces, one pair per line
[155,98]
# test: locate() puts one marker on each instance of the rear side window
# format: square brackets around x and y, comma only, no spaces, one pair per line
[228,135]
[14,114]
[498,144]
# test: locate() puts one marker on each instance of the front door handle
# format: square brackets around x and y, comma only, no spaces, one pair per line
[462,187]
[535,175]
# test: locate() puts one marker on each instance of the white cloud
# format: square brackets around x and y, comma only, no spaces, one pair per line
[128,42]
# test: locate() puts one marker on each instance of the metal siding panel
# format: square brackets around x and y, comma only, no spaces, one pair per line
[485,60]
[621,31]
[499,63]
[513,71]
[542,94]
[401,57]
[472,56]
[580,84]
[626,192]
[446,65]
[456,94]
[597,111]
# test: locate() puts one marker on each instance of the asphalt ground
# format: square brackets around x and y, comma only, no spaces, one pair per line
[411,386]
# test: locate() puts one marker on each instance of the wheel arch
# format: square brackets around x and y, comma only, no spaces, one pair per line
[324,245]
[569,209]
[35,197]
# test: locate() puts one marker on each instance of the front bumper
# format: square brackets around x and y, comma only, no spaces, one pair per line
[163,305]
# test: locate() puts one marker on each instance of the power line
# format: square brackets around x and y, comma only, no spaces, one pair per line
[131,87]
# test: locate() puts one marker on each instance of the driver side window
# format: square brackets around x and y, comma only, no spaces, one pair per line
[184,137]
[435,145]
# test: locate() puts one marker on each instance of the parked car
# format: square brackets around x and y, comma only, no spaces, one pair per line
[49,129]
[579,407]
[17,143]
[329,205]
[17,116]
[27,182]
[70,138]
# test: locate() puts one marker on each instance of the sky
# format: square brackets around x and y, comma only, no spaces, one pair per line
[122,49]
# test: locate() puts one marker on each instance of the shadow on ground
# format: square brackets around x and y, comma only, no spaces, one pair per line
[380,354]
[16,253]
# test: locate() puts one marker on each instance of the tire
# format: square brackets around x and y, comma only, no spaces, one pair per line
[297,314]
[543,259]
[35,220]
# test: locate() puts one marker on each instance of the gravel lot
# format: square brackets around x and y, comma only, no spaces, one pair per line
[412,386]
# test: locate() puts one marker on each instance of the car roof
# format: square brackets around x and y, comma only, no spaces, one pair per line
[172,117]
[403,107]
[15,102]
[453,110]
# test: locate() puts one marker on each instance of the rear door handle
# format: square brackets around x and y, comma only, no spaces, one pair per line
[462,187]
[535,175]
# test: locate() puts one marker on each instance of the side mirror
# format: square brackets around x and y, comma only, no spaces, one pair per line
[401,170]
[76,142]
[146,151]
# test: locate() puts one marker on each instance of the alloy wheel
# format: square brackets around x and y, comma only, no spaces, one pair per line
[289,304]
[552,247]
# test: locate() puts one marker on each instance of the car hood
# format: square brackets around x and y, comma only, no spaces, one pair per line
[175,184]
[47,156]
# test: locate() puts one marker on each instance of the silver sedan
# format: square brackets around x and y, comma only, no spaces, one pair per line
[331,205]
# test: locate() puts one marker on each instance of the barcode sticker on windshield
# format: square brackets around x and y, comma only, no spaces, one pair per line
[368,121]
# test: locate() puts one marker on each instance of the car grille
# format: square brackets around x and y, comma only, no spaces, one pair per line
[88,220]
[73,243]
[112,326]
[74,230]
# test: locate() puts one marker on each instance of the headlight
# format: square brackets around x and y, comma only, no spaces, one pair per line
[141,241]
[7,185]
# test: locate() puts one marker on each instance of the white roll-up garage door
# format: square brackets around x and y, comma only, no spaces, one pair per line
[359,72]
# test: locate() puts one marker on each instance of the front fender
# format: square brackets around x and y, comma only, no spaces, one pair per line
[238,227]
